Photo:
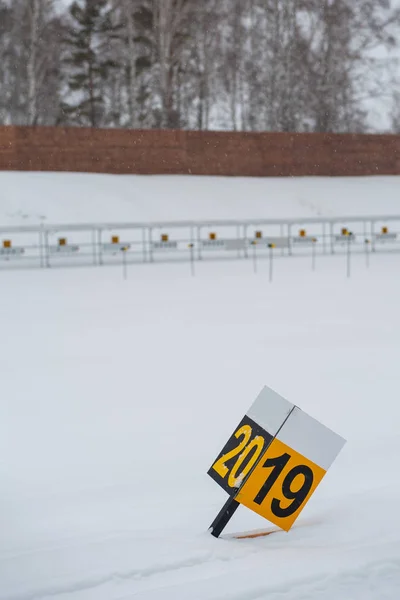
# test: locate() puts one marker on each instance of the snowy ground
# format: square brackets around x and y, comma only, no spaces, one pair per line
[117,395]
[32,198]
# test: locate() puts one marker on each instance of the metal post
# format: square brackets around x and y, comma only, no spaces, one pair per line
[151,258]
[332,238]
[271,261]
[144,244]
[367,253]
[324,237]
[282,236]
[94,246]
[313,253]
[373,236]
[348,253]
[124,265]
[199,243]
[223,517]
[100,250]
[290,240]
[41,247]
[246,254]
[192,269]
[192,238]
[47,249]
[238,237]
[254,244]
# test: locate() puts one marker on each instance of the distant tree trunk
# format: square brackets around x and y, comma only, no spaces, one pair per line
[127,6]
[170,26]
[235,71]
[163,34]
[32,61]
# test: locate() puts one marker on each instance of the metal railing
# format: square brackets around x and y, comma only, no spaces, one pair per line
[105,243]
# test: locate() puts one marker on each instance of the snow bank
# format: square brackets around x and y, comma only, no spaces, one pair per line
[31,198]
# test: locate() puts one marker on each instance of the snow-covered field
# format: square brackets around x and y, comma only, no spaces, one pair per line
[116,396]
[32,198]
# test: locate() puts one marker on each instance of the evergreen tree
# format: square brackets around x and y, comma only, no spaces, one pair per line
[89,59]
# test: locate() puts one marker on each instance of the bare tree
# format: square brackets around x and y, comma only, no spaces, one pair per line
[34,50]
[33,19]
[130,31]
[6,75]
[170,21]
[283,65]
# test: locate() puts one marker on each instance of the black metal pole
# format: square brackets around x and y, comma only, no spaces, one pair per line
[348,253]
[271,261]
[124,266]
[367,252]
[191,247]
[313,250]
[223,517]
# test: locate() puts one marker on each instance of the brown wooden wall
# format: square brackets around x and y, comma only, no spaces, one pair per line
[197,153]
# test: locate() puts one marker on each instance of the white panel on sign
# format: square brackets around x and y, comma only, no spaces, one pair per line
[269,410]
[235,244]
[64,249]
[305,241]
[116,248]
[11,252]
[310,438]
[165,245]
[213,244]
[279,242]
[345,239]
[386,237]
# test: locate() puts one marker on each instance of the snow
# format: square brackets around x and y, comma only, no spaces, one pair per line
[32,198]
[117,395]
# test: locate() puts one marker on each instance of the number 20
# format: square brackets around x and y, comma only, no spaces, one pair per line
[245,448]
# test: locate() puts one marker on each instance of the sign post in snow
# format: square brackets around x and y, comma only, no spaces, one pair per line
[271,261]
[313,253]
[273,462]
[191,249]
[124,250]
[366,244]
[254,244]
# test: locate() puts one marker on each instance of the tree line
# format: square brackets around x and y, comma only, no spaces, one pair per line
[272,65]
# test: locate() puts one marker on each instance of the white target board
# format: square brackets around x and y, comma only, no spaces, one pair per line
[278,242]
[115,248]
[165,246]
[345,239]
[304,240]
[227,244]
[383,238]
[213,244]
[238,244]
[64,250]
[12,252]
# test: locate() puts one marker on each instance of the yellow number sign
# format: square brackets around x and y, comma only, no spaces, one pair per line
[274,460]
[280,485]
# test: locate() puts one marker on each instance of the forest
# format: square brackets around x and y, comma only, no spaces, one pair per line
[248,65]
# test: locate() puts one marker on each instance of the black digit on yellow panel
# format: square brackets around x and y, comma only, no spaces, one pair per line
[240,455]
[280,485]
